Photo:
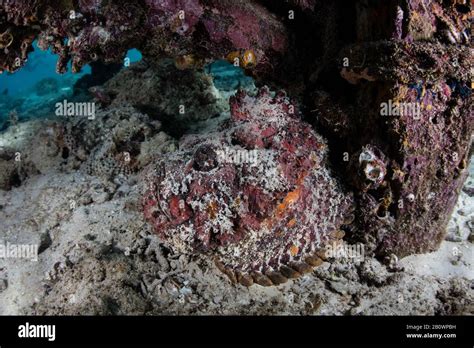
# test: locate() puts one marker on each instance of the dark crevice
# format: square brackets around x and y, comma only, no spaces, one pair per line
[169,124]
[45,242]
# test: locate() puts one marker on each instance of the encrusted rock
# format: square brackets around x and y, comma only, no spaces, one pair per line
[86,31]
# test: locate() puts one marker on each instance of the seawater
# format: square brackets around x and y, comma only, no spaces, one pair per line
[34,90]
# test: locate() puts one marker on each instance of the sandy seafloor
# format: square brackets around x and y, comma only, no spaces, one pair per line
[99,256]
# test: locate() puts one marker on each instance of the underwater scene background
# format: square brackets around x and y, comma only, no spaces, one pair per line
[236,157]
[33,91]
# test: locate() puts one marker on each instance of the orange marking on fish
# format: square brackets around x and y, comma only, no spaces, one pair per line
[291,223]
[290,199]
[294,250]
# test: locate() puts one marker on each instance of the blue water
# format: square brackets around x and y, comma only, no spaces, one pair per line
[33,91]
[133,55]
[227,77]
[40,65]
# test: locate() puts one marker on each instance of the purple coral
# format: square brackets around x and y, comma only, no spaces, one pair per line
[256,194]
[91,30]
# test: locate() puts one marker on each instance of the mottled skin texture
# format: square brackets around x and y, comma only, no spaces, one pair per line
[256,214]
